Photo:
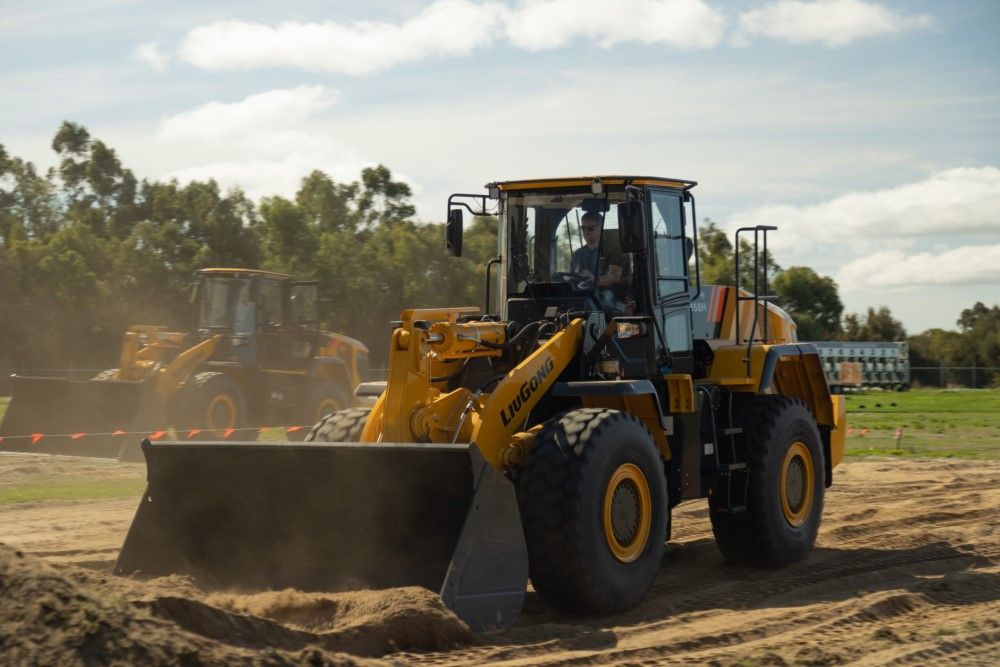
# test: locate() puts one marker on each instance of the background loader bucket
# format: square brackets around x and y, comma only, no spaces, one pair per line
[56,409]
[333,516]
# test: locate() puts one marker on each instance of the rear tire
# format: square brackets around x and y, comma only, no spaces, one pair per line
[211,403]
[322,400]
[343,426]
[785,496]
[593,501]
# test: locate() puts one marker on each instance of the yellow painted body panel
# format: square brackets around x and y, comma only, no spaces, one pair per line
[248,273]
[503,414]
[585,181]
[729,367]
[680,393]
[642,406]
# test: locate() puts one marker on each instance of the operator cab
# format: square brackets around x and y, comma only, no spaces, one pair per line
[615,246]
[271,319]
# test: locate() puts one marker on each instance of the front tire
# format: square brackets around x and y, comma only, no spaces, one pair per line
[323,400]
[785,495]
[211,403]
[342,426]
[593,501]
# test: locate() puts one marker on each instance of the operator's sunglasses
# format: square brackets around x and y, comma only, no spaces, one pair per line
[588,228]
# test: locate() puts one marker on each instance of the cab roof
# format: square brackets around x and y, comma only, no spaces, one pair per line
[243,273]
[584,181]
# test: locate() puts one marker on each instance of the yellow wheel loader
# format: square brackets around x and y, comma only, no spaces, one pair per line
[548,439]
[256,358]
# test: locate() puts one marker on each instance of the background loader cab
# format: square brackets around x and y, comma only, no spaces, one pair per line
[272,319]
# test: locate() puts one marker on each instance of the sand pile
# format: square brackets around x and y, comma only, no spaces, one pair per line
[70,615]
[359,622]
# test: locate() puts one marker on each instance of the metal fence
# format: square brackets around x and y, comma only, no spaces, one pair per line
[975,377]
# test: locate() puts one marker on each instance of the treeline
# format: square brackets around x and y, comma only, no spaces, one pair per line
[87,249]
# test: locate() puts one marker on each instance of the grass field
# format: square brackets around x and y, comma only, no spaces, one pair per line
[69,487]
[962,423]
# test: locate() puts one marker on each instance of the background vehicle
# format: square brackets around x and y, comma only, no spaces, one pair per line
[865,364]
[257,358]
[548,438]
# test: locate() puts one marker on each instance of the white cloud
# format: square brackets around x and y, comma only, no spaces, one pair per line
[264,144]
[450,28]
[832,23]
[940,231]
[953,202]
[964,265]
[446,27]
[538,25]
[271,110]
[150,53]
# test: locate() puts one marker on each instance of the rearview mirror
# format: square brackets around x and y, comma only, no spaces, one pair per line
[632,225]
[453,232]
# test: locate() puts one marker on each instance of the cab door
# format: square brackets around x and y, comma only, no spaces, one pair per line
[274,343]
[670,249]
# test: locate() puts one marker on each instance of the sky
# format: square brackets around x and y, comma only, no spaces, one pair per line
[867,131]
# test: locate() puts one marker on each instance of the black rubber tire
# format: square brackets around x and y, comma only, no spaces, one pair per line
[104,376]
[343,426]
[762,536]
[189,408]
[323,392]
[561,490]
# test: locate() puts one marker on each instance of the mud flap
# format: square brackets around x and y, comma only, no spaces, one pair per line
[57,409]
[333,516]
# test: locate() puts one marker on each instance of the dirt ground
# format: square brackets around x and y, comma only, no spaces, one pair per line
[906,571]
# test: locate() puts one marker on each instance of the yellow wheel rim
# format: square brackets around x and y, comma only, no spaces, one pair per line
[325,407]
[628,512]
[221,414]
[798,480]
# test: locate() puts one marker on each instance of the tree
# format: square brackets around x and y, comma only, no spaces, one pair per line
[812,301]
[877,325]
[382,199]
[327,205]
[718,262]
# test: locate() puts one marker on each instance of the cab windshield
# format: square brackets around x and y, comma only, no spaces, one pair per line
[227,303]
[569,239]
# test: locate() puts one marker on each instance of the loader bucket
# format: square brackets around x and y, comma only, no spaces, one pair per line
[79,417]
[333,516]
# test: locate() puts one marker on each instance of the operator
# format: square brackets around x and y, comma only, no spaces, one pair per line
[587,262]
[585,259]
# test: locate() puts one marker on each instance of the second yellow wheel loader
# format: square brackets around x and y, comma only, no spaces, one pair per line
[547,439]
[256,358]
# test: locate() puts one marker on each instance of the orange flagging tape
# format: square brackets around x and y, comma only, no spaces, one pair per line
[153,435]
